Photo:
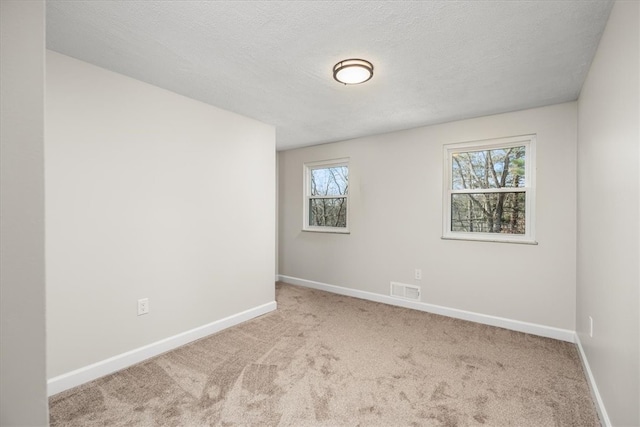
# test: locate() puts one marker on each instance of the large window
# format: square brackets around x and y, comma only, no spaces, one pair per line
[490,190]
[326,196]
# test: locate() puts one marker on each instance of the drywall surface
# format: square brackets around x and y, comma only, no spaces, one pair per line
[149,195]
[435,61]
[396,221]
[608,253]
[23,387]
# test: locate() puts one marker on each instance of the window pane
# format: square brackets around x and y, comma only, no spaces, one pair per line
[328,212]
[333,181]
[497,168]
[488,213]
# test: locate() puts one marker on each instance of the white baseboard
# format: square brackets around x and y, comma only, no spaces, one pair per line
[515,325]
[89,373]
[602,412]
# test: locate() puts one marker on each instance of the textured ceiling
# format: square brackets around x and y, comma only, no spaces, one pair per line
[435,61]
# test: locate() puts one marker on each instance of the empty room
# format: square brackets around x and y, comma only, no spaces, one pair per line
[320,213]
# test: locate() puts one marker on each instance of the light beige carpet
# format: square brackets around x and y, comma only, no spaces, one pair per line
[328,360]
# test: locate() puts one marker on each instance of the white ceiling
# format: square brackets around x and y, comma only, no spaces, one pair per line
[435,61]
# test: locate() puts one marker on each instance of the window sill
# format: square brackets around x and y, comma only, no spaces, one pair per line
[325,230]
[488,239]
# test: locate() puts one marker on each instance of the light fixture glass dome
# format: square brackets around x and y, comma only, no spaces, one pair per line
[353,71]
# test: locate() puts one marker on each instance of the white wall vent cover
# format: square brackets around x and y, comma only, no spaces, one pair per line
[402,290]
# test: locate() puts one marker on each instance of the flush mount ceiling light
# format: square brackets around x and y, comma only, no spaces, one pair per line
[353,71]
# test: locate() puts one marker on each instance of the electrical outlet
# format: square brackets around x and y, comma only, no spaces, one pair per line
[590,327]
[418,274]
[143,306]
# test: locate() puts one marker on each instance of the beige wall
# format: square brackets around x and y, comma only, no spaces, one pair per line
[608,215]
[149,195]
[396,221]
[23,389]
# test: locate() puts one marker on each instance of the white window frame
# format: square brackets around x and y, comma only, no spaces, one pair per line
[308,167]
[529,142]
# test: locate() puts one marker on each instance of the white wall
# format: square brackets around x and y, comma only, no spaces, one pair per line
[608,279]
[23,390]
[148,194]
[396,221]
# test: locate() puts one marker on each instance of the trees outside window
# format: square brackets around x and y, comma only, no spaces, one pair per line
[489,190]
[326,198]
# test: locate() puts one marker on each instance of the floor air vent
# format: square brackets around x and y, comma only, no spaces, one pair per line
[401,290]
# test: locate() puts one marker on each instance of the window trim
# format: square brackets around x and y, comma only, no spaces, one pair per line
[306,195]
[529,142]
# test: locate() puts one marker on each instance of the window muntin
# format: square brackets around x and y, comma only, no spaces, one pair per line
[489,190]
[326,199]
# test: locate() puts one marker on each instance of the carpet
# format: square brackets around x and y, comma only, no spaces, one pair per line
[328,360]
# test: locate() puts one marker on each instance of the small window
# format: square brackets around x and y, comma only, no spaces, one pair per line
[326,196]
[490,190]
